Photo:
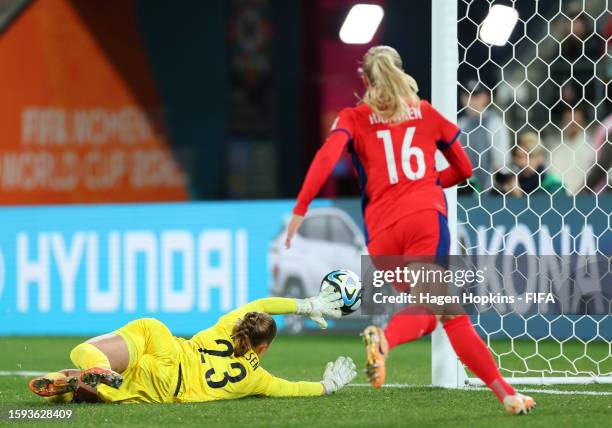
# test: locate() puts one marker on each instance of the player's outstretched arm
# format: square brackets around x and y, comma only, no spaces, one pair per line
[326,304]
[337,375]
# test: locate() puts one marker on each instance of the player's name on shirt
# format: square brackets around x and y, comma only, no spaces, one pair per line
[411,113]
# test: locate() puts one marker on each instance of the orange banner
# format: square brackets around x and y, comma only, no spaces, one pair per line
[73,128]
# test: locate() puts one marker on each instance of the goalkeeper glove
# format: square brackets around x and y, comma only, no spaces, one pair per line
[326,303]
[338,374]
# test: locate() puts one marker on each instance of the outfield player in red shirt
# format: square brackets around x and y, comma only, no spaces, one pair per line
[393,137]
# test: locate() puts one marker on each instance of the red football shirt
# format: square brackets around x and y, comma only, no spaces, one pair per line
[395,163]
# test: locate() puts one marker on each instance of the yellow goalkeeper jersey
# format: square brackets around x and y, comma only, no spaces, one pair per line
[210,371]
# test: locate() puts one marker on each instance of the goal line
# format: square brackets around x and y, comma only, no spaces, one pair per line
[480,388]
[549,380]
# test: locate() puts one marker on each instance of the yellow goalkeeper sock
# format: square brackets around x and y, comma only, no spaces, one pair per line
[86,356]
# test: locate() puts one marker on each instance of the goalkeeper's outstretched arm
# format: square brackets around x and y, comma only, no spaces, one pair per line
[326,304]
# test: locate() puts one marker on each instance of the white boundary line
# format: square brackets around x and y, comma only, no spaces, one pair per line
[477,388]
[26,373]
[21,373]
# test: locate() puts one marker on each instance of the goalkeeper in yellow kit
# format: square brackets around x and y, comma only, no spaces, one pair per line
[144,362]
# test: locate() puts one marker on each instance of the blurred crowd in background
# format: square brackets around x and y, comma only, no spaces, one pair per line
[546,128]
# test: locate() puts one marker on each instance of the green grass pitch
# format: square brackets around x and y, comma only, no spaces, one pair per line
[303,358]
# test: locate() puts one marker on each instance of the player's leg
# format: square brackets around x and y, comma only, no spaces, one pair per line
[409,324]
[84,393]
[433,239]
[373,336]
[474,353]
[467,344]
[405,326]
[148,336]
[102,359]
[422,233]
[99,359]
[152,371]
[55,386]
[63,386]
[471,349]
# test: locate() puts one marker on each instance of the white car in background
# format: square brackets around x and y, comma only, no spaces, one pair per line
[328,239]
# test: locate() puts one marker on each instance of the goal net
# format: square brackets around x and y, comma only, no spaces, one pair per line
[536,116]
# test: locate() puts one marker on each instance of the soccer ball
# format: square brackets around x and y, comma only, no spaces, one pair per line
[346,283]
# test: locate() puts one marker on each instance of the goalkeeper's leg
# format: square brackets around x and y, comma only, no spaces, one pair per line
[63,386]
[97,360]
[54,384]
[101,360]
[104,358]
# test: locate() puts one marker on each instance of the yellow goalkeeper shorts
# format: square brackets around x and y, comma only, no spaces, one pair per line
[153,370]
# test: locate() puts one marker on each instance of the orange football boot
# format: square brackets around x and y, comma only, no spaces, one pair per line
[97,375]
[519,404]
[47,386]
[376,353]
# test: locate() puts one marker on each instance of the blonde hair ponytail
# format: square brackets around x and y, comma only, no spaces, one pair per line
[390,89]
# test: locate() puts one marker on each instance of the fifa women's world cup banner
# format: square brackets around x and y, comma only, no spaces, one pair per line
[80,124]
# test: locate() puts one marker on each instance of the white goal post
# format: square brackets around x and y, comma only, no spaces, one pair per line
[447,371]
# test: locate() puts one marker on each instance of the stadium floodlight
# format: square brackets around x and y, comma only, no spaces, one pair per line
[361,23]
[498,25]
